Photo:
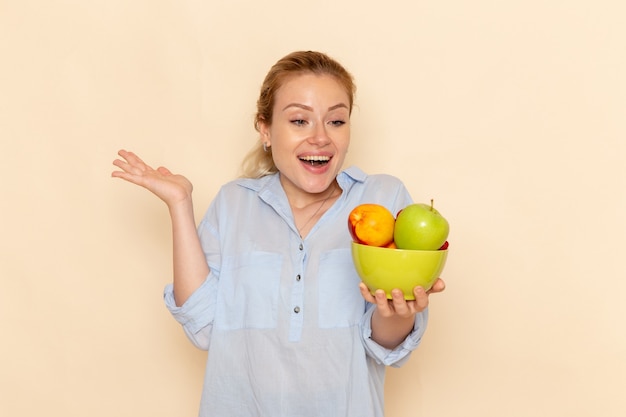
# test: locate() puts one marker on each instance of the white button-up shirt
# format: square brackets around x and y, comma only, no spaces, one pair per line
[287,331]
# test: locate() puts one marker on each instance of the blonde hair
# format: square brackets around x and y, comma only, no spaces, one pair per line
[259,162]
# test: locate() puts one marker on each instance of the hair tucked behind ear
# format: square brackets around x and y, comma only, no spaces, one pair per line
[259,162]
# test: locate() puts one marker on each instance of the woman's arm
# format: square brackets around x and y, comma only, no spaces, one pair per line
[190,266]
[394,319]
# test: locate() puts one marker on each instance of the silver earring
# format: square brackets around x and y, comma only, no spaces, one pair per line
[265,147]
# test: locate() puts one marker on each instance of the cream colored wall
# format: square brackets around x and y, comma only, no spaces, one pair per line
[510,114]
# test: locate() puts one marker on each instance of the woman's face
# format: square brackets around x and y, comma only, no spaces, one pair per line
[309,134]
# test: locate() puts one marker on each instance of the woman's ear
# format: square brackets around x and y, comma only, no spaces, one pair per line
[264,130]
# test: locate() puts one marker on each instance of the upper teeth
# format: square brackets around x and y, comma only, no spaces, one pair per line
[315,158]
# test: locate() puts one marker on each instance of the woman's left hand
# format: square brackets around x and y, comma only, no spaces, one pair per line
[398,306]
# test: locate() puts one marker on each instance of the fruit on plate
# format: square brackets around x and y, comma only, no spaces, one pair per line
[371,224]
[420,227]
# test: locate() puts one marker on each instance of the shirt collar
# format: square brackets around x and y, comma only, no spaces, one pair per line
[269,186]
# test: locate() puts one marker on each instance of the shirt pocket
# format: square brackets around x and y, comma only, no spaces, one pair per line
[248,291]
[341,303]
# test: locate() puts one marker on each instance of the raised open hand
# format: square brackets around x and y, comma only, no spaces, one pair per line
[170,188]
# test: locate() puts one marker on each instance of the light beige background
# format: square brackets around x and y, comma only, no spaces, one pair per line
[510,114]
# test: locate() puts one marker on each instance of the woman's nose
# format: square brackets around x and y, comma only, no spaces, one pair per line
[320,135]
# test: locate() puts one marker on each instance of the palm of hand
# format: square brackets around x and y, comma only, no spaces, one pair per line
[170,188]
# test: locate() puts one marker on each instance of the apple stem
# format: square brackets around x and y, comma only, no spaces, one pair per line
[432,204]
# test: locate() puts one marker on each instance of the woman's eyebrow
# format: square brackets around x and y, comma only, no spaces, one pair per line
[305,107]
[338,106]
[302,106]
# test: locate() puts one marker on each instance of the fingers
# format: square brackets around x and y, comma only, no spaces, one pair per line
[396,306]
[421,299]
[367,295]
[131,164]
[385,306]
[131,158]
[438,286]
[164,171]
[132,168]
[400,305]
[124,166]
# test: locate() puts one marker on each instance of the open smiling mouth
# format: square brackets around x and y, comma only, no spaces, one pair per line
[315,161]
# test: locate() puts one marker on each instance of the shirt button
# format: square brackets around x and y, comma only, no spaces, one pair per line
[301,246]
[298,277]
[296,309]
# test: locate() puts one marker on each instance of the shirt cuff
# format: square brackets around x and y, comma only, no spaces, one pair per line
[199,309]
[398,356]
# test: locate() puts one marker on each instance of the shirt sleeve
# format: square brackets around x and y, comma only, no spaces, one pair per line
[196,315]
[398,356]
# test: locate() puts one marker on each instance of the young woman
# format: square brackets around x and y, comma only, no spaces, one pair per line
[265,283]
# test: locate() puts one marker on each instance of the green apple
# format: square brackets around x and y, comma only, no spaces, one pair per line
[420,227]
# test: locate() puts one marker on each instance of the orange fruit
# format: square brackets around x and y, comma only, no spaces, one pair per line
[371,224]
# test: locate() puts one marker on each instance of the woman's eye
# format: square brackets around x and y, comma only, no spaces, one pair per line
[337,123]
[298,122]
